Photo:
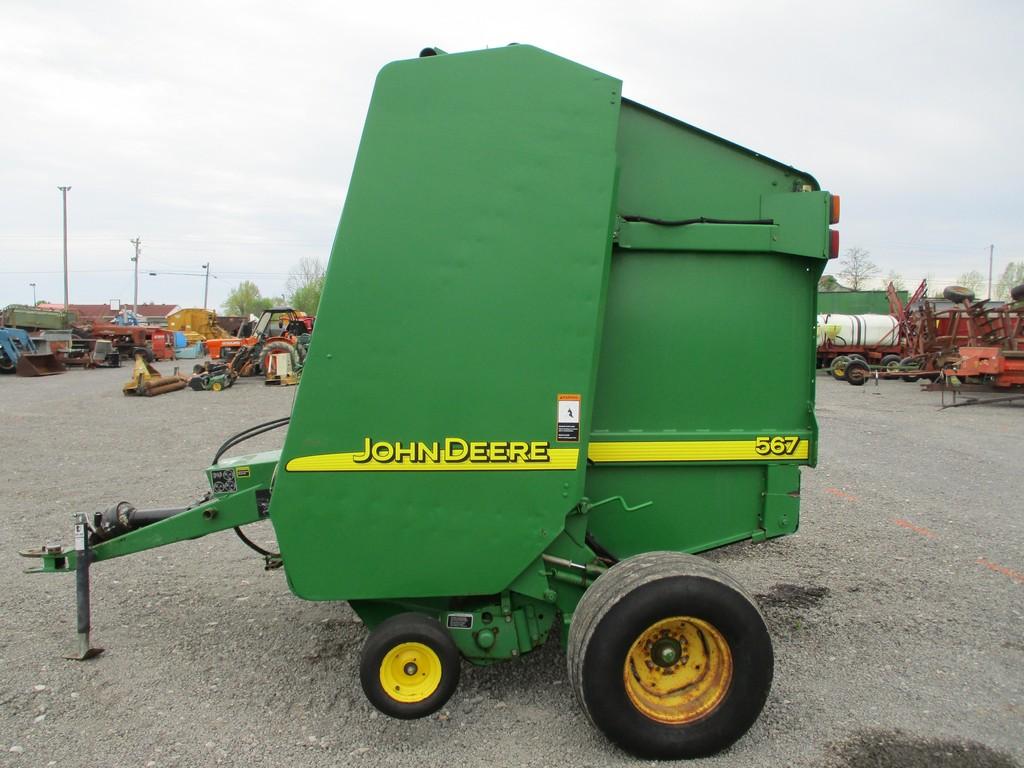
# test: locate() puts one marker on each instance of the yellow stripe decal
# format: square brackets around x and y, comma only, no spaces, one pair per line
[556,458]
[761,449]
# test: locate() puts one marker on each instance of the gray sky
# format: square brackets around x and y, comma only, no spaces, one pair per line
[226,131]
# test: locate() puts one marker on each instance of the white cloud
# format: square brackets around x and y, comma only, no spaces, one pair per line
[227,131]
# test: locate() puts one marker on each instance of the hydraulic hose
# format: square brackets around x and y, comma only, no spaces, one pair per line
[230,443]
[246,434]
[698,220]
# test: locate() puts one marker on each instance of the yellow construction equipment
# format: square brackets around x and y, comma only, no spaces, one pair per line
[147,381]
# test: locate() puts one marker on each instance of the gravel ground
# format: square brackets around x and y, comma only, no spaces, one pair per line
[896,611]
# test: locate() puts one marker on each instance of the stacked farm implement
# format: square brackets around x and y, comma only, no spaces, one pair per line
[980,350]
[971,346]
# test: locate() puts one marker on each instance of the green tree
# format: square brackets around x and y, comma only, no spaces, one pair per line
[305,284]
[1013,275]
[857,268]
[246,300]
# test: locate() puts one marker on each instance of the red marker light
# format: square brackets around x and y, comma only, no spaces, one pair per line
[833,214]
[833,243]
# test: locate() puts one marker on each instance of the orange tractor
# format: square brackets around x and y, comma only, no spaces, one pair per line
[279,329]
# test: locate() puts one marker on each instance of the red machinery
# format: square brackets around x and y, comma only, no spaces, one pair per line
[280,329]
[942,340]
[129,340]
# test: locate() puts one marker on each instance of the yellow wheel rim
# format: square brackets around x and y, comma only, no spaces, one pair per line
[840,371]
[216,386]
[410,672]
[678,670]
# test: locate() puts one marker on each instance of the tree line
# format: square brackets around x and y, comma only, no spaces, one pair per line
[857,271]
[302,292]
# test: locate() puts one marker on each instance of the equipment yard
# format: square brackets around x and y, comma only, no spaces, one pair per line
[896,611]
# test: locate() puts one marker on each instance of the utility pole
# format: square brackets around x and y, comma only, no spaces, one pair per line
[33,293]
[64,194]
[206,290]
[990,249]
[135,305]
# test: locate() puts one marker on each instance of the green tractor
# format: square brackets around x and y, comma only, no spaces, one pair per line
[498,436]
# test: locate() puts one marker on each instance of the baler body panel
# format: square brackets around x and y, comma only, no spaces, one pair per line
[708,347]
[465,293]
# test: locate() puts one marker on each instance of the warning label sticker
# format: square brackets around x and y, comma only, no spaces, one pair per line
[460,621]
[568,429]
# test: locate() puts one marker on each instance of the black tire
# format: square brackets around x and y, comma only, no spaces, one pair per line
[1017,292]
[891,363]
[6,364]
[907,362]
[857,373]
[856,356]
[413,628]
[633,598]
[957,294]
[238,360]
[279,346]
[838,367]
[146,354]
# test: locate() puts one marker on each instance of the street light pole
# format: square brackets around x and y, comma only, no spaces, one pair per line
[64,195]
[135,305]
[33,293]
[206,290]
[990,249]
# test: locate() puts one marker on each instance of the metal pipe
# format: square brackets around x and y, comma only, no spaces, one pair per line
[135,304]
[588,568]
[141,517]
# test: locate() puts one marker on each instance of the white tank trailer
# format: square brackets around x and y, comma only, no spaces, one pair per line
[844,331]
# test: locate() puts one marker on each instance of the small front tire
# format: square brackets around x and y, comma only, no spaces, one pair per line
[409,667]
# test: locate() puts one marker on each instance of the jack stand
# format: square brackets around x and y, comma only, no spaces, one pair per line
[83,558]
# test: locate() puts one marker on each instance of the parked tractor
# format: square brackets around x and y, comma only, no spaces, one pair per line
[498,438]
[281,329]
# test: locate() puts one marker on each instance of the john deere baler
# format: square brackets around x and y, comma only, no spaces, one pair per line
[530,398]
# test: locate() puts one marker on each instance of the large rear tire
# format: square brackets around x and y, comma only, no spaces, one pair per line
[669,657]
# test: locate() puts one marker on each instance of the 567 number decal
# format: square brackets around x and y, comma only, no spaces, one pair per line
[776,446]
